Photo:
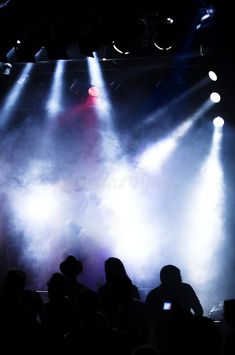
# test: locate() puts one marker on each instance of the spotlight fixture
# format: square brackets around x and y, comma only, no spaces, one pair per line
[218,122]
[119,49]
[215,97]
[5,68]
[164,36]
[41,55]
[212,75]
[94,91]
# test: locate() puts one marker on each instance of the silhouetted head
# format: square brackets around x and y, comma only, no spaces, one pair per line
[71,266]
[113,267]
[170,274]
[14,281]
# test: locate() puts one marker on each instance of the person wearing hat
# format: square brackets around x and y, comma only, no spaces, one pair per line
[71,268]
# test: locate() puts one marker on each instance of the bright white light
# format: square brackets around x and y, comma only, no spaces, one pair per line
[204,17]
[218,122]
[153,157]
[209,13]
[169,20]
[103,106]
[22,79]
[40,204]
[54,105]
[133,238]
[95,74]
[212,75]
[206,229]
[215,97]
[40,214]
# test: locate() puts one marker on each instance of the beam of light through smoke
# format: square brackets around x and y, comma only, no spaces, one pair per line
[39,213]
[163,111]
[156,155]
[134,239]
[60,206]
[14,95]
[54,102]
[103,105]
[206,228]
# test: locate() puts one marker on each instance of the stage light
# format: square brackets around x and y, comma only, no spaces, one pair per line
[162,48]
[215,97]
[121,48]
[169,20]
[212,75]
[94,91]
[5,68]
[103,105]
[218,122]
[26,50]
[11,56]
[206,17]
[164,34]
[14,95]
[130,37]
[41,55]
[206,220]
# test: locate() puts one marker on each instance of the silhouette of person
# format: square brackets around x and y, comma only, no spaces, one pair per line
[71,268]
[130,314]
[10,304]
[113,268]
[229,333]
[172,292]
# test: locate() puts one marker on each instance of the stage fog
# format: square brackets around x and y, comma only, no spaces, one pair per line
[132,168]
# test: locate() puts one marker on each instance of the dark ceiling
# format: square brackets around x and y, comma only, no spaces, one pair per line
[90,24]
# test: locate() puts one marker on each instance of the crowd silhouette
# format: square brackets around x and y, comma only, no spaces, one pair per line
[112,319]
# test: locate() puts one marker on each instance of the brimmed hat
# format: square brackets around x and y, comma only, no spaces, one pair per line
[71,266]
